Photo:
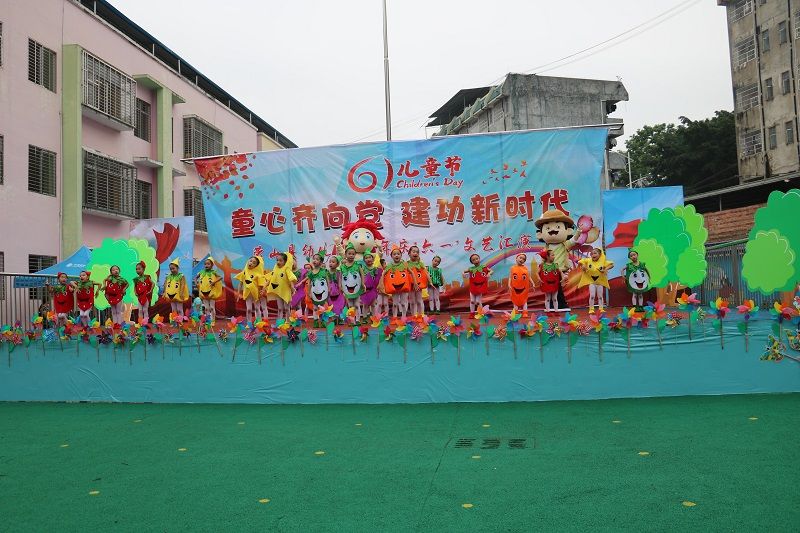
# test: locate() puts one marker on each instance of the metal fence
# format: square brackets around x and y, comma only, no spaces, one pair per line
[21,304]
[724,277]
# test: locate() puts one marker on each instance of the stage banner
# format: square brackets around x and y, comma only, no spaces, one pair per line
[451,196]
[623,210]
[172,238]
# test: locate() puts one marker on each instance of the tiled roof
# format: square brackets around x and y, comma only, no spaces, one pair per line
[730,224]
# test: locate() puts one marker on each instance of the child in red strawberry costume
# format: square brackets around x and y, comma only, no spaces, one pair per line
[550,277]
[478,278]
[85,291]
[114,287]
[143,288]
[63,294]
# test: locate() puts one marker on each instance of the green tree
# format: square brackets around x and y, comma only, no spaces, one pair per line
[125,254]
[698,154]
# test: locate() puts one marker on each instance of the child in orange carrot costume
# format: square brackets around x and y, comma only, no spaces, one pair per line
[519,284]
[396,281]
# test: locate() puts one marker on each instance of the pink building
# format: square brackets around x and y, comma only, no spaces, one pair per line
[95,117]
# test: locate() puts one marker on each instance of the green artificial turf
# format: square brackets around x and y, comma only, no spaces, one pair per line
[397,467]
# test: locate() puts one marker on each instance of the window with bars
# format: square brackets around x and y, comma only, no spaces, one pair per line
[751,142]
[200,138]
[41,171]
[142,128]
[3,279]
[107,90]
[108,185]
[144,199]
[797,24]
[747,97]
[2,164]
[745,50]
[41,65]
[35,264]
[740,9]
[193,206]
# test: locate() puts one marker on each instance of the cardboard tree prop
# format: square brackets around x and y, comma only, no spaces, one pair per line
[125,254]
[770,260]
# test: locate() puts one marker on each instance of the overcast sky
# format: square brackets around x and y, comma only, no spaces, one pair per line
[314,68]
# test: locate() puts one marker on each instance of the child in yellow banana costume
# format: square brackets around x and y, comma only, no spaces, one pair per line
[280,283]
[251,282]
[594,273]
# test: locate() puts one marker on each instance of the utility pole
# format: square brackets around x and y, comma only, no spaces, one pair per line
[386,76]
[630,176]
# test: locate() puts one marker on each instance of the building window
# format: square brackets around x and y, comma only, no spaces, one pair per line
[740,9]
[200,138]
[772,137]
[35,264]
[747,97]
[144,199]
[745,50]
[108,185]
[797,24]
[751,142]
[4,278]
[765,40]
[786,83]
[769,92]
[41,65]
[142,129]
[2,166]
[789,132]
[783,34]
[107,90]
[193,206]
[41,170]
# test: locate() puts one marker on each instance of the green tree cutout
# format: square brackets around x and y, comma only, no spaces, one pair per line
[672,243]
[125,254]
[770,259]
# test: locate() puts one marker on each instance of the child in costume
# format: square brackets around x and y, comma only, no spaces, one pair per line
[299,299]
[143,288]
[372,278]
[478,279]
[382,300]
[209,287]
[419,282]
[317,287]
[85,292]
[63,293]
[351,279]
[175,288]
[396,281]
[519,284]
[251,280]
[436,285]
[335,297]
[550,278]
[280,282]
[637,278]
[114,288]
[595,274]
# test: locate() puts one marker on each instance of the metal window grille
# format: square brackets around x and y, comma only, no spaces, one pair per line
[783,33]
[2,163]
[740,9]
[797,24]
[2,281]
[143,199]
[724,278]
[35,264]
[745,50]
[142,129]
[751,142]
[200,139]
[41,65]
[768,89]
[107,90]
[41,170]
[772,137]
[193,206]
[786,82]
[747,97]
[108,185]
[789,132]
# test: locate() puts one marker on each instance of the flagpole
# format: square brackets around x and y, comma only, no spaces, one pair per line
[386,76]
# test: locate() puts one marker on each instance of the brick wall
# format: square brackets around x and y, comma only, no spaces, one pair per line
[730,224]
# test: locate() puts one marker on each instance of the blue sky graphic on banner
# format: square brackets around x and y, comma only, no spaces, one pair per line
[171,237]
[451,196]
